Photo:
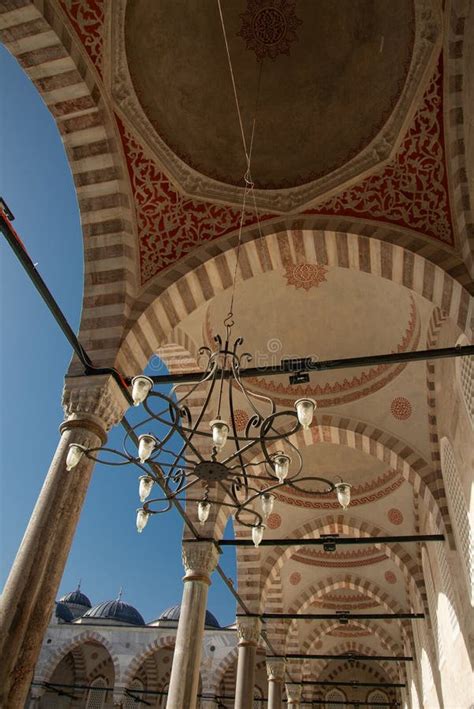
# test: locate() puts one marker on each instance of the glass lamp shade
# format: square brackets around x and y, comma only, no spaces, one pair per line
[142,520]
[257,534]
[146,445]
[281,463]
[204,507]
[141,386]
[145,487]
[74,455]
[220,431]
[305,410]
[267,501]
[343,491]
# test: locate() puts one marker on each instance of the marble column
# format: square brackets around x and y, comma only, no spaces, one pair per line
[293,694]
[276,678]
[92,405]
[248,631]
[199,560]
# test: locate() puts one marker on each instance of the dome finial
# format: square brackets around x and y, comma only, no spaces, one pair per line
[79,585]
[119,597]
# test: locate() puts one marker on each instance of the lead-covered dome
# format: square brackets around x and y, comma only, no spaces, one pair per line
[116,611]
[76,597]
[63,613]
[77,602]
[172,614]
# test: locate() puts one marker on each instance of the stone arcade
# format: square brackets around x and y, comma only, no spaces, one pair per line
[363,167]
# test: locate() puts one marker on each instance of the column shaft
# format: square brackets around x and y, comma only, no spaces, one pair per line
[248,630]
[92,405]
[200,559]
[275,688]
[29,595]
[245,676]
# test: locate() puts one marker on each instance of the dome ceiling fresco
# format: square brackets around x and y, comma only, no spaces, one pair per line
[317,75]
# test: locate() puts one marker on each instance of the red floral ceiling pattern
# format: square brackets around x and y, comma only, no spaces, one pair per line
[411,191]
[87,18]
[401,408]
[170,224]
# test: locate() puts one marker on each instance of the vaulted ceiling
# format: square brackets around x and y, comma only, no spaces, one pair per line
[359,197]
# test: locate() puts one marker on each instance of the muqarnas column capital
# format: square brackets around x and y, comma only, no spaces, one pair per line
[95,400]
[276,669]
[293,693]
[248,630]
[199,560]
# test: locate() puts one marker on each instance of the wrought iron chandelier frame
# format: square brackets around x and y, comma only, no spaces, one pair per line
[178,470]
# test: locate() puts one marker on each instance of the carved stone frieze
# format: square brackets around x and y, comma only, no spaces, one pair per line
[276,669]
[98,398]
[428,31]
[199,558]
[248,630]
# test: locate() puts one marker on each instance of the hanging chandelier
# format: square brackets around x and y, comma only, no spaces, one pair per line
[197,453]
[202,457]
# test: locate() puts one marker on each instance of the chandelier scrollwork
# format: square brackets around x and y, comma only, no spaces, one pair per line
[202,457]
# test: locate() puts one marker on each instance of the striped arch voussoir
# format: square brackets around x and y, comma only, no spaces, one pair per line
[163,643]
[40,38]
[348,581]
[156,318]
[67,647]
[342,524]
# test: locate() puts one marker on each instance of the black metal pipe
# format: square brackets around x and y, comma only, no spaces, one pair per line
[348,656]
[310,365]
[333,616]
[23,257]
[355,683]
[329,539]
[163,693]
[354,703]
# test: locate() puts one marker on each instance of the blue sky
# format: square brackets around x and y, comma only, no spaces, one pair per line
[107,553]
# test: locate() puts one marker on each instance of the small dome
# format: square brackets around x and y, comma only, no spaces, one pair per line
[76,597]
[115,610]
[63,613]
[174,612]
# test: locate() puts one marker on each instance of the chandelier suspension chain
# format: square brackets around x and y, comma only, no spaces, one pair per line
[249,184]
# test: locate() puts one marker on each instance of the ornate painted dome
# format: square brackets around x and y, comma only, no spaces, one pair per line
[174,612]
[116,611]
[76,597]
[63,613]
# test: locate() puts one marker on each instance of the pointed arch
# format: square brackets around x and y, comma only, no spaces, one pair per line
[92,636]
[349,525]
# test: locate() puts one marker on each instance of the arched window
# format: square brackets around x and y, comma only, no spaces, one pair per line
[415,702]
[433,606]
[97,696]
[465,372]
[459,512]
[335,695]
[427,679]
[447,594]
[376,697]
[130,702]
